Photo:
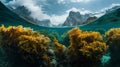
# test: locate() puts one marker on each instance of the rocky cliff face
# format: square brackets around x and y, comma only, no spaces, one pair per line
[90,19]
[75,18]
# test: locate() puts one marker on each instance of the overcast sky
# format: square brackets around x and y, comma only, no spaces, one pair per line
[57,10]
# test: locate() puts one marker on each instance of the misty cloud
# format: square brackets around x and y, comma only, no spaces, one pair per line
[36,7]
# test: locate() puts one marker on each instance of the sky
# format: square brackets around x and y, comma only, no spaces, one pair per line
[57,10]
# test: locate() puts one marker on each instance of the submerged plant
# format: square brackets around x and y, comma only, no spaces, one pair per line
[65,39]
[86,48]
[60,53]
[51,35]
[113,40]
[30,45]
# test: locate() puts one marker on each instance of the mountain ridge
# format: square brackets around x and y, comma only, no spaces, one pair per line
[107,21]
[75,18]
[7,17]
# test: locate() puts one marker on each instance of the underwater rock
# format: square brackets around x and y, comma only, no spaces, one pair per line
[105,59]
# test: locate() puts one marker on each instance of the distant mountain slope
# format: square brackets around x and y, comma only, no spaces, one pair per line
[25,13]
[7,17]
[75,18]
[107,21]
[90,19]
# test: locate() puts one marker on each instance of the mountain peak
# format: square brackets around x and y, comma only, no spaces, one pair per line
[71,13]
[75,18]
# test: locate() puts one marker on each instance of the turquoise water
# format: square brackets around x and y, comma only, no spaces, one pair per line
[13,60]
[103,24]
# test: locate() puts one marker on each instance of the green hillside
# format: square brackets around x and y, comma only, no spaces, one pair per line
[107,21]
[7,18]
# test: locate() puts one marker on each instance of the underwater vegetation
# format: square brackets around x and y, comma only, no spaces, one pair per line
[41,49]
[29,44]
[113,40]
[86,48]
[50,35]
[60,51]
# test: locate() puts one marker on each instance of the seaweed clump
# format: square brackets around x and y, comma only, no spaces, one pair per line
[28,44]
[113,40]
[60,53]
[86,48]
